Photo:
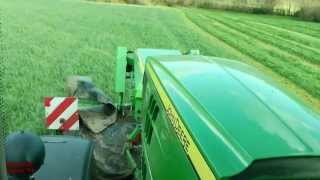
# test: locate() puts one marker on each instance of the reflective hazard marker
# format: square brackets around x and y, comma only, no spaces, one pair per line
[62,113]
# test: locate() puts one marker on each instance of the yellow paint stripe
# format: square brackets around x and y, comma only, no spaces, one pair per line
[185,138]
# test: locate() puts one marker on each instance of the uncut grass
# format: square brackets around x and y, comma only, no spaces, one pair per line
[293,70]
[49,40]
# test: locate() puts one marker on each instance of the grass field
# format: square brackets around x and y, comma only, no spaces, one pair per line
[47,40]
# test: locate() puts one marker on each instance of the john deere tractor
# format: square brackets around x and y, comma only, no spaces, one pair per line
[176,116]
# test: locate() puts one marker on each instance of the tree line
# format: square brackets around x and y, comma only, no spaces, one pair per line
[305,9]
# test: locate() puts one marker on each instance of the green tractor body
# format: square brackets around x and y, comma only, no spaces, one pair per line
[199,117]
[213,118]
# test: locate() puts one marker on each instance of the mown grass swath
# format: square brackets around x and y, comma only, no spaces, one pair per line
[285,27]
[309,54]
[285,23]
[302,73]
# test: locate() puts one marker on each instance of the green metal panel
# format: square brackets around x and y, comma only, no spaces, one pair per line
[137,60]
[164,154]
[120,79]
[235,114]
[139,67]
[142,55]
[121,63]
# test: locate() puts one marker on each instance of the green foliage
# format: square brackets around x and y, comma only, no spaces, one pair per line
[306,9]
[309,13]
[46,41]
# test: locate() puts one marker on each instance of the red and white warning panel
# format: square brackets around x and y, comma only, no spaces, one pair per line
[62,113]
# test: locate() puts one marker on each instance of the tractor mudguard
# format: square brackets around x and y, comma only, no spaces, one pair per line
[67,158]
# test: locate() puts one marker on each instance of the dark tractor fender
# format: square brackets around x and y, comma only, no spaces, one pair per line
[67,158]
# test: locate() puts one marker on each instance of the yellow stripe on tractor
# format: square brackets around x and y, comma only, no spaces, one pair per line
[199,163]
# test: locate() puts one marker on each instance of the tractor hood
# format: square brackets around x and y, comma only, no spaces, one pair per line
[234,114]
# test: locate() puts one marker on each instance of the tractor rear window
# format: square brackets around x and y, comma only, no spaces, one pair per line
[282,168]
